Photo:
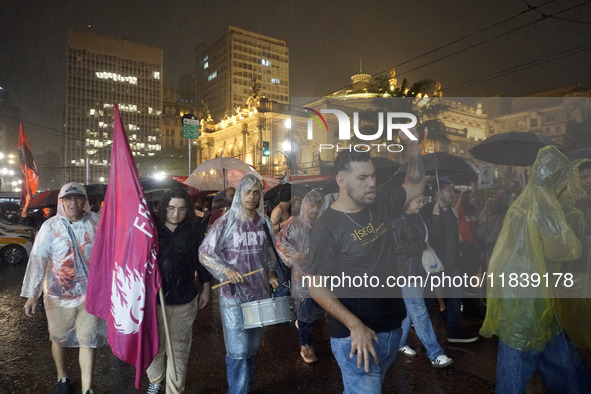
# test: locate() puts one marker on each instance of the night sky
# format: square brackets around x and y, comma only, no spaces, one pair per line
[325,41]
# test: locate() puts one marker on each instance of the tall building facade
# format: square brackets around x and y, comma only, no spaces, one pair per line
[102,71]
[238,67]
[175,106]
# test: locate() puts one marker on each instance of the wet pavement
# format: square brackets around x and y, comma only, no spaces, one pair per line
[26,365]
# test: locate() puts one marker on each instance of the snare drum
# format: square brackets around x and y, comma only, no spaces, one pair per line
[267,312]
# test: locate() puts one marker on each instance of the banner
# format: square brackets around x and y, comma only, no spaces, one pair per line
[124,279]
[29,171]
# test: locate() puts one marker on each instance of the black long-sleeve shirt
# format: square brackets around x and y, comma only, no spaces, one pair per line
[178,261]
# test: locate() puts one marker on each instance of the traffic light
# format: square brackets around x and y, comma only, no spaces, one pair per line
[266,150]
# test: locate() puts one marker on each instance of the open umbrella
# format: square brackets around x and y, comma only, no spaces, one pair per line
[152,184]
[219,174]
[584,153]
[515,148]
[440,164]
[296,190]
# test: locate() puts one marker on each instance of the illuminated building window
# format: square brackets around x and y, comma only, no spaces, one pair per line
[92,111]
[156,74]
[275,81]
[212,75]
[265,62]
[116,77]
[205,65]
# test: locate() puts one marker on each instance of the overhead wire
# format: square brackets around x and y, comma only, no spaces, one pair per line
[521,67]
[543,17]
[529,9]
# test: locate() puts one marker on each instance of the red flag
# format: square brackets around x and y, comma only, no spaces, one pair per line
[29,170]
[424,145]
[124,279]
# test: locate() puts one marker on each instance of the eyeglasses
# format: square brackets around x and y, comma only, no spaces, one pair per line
[170,208]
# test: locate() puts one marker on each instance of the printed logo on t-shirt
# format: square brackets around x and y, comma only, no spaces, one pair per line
[369,233]
[248,238]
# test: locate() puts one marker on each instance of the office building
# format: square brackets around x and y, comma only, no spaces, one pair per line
[237,66]
[102,71]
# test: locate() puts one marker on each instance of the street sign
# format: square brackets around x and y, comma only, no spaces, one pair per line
[190,128]
[486,175]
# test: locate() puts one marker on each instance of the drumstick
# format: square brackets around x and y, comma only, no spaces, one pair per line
[226,282]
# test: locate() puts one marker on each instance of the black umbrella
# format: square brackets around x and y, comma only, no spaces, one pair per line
[440,164]
[515,148]
[296,190]
[584,153]
[152,184]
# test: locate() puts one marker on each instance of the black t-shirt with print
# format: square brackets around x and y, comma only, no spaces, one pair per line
[360,246]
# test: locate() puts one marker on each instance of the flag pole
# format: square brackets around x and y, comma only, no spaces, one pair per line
[169,351]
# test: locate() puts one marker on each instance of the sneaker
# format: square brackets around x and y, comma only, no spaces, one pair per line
[90,391]
[407,351]
[64,386]
[308,355]
[153,388]
[442,361]
[462,337]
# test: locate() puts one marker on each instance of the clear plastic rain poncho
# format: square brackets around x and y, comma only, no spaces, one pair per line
[293,244]
[576,298]
[535,237]
[236,242]
[60,270]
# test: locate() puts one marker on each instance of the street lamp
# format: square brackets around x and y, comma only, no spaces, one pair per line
[159,175]
[286,146]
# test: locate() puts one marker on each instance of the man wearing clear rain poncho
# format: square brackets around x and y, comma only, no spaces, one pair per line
[534,236]
[293,245]
[235,245]
[58,268]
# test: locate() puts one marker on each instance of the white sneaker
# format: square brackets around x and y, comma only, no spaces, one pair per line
[407,351]
[153,388]
[442,361]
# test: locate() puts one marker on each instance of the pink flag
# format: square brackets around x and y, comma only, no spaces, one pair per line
[124,279]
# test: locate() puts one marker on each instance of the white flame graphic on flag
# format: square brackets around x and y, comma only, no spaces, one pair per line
[128,294]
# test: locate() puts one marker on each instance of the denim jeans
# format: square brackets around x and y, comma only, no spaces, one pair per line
[453,306]
[356,380]
[305,332]
[241,347]
[559,365]
[416,312]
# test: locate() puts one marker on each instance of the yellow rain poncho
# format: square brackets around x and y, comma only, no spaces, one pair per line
[574,306]
[534,235]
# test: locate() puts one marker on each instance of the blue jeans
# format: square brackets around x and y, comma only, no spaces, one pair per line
[416,312]
[356,380]
[453,306]
[559,365]
[241,347]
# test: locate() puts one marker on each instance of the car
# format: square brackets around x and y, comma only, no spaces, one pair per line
[9,227]
[14,248]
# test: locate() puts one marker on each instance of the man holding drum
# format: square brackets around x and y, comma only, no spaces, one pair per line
[238,244]
[353,239]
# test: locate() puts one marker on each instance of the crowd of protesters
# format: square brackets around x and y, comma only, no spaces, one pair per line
[365,229]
